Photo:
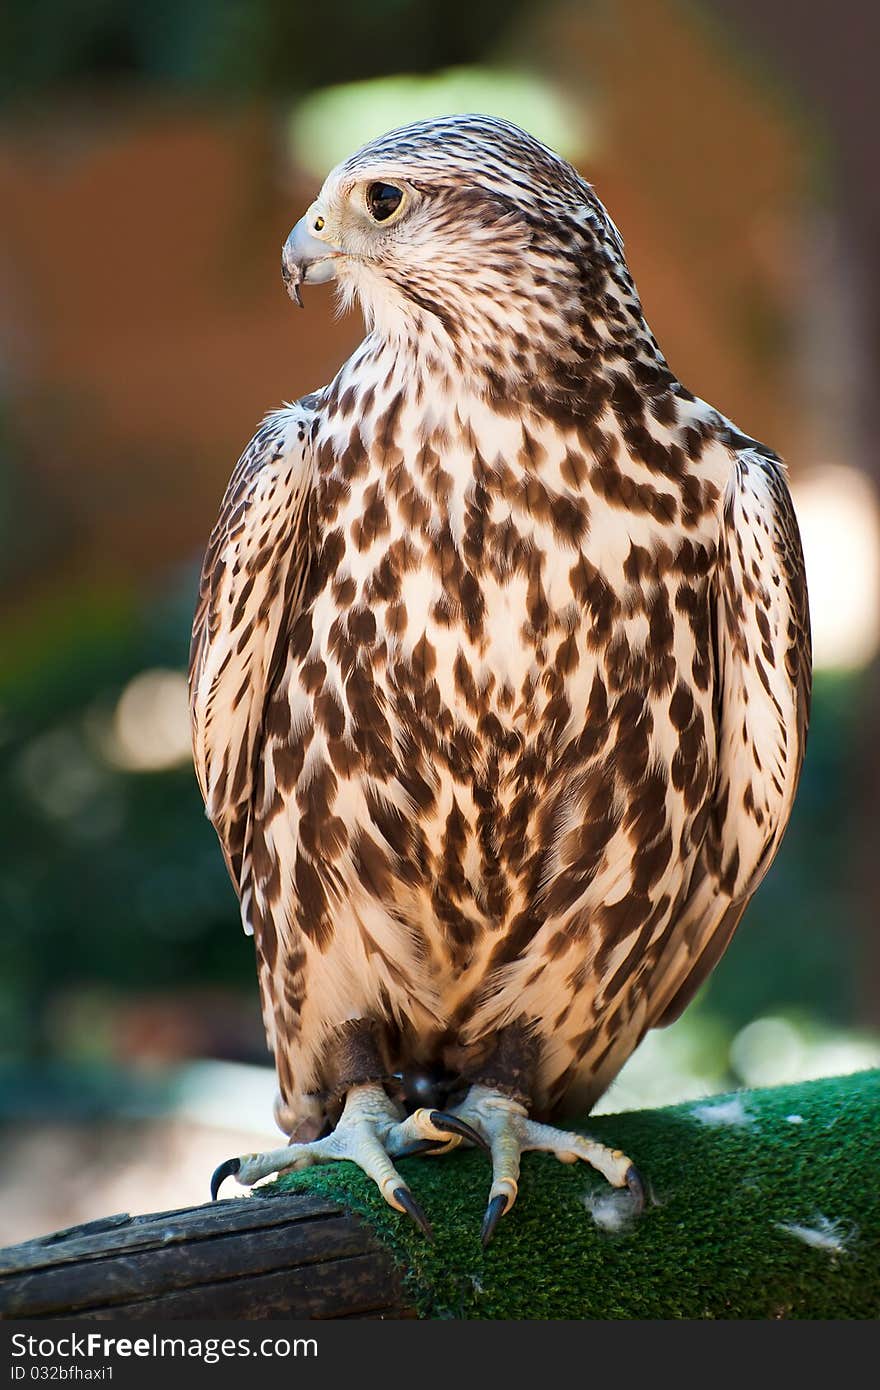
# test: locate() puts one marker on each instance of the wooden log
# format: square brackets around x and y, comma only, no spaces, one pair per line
[252,1257]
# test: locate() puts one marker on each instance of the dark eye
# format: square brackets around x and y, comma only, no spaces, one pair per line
[382,200]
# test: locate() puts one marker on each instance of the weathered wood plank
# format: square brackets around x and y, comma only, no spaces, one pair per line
[126,1275]
[285,1256]
[167,1227]
[362,1284]
[85,1228]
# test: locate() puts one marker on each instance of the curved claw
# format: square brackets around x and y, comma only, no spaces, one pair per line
[441,1120]
[219,1175]
[421,1146]
[407,1201]
[494,1212]
[636,1187]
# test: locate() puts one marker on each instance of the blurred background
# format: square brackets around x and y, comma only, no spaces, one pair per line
[153,157]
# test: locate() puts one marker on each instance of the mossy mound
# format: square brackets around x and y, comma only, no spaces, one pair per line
[768,1208]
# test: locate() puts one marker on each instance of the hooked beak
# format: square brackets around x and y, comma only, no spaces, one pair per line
[306,261]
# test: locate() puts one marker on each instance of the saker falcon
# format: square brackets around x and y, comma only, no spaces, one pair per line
[500,672]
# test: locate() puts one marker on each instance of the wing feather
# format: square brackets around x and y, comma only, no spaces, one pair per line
[763,677]
[252,581]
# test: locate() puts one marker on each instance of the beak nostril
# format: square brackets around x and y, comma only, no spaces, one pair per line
[305,259]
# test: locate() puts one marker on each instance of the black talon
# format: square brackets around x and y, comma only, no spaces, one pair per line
[421,1146]
[636,1187]
[219,1176]
[494,1212]
[412,1209]
[441,1120]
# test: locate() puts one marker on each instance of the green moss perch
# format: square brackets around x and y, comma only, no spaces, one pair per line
[772,1211]
[763,1204]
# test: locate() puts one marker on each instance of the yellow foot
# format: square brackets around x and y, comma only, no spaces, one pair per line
[507,1130]
[371,1132]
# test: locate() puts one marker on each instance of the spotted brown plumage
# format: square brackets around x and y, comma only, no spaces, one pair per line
[501,666]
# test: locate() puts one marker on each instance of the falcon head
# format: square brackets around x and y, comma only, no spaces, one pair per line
[463,233]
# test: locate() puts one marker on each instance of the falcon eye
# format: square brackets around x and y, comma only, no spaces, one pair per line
[382,200]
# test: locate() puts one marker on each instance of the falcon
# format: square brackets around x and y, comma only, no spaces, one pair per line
[500,673]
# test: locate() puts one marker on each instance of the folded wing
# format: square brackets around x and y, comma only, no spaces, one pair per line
[763,678]
[252,582]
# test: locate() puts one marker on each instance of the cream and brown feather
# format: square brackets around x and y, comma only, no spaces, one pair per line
[500,671]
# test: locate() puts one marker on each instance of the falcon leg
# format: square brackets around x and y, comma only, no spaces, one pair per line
[371,1132]
[372,1129]
[505,1126]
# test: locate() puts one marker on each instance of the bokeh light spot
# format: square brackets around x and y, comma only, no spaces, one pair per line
[840,528]
[150,729]
[333,122]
